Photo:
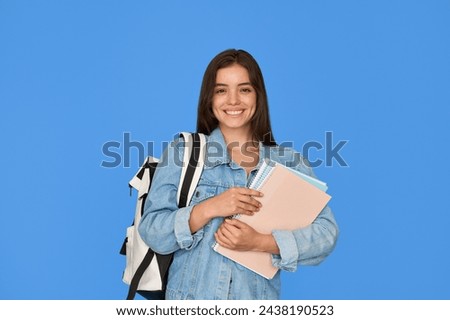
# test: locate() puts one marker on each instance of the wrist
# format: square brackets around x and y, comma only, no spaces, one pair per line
[198,218]
[267,243]
[203,211]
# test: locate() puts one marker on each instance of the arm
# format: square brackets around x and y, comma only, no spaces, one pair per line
[166,228]
[306,246]
[163,225]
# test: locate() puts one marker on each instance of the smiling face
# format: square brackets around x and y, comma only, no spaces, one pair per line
[234,99]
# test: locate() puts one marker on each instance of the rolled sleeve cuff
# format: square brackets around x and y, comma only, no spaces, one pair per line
[288,257]
[183,235]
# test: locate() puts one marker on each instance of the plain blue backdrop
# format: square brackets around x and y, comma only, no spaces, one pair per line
[75,75]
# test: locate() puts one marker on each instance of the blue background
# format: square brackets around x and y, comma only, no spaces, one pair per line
[77,74]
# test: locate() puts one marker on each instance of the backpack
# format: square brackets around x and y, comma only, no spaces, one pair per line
[146,271]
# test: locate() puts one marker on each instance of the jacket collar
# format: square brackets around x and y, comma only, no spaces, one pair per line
[217,152]
[217,149]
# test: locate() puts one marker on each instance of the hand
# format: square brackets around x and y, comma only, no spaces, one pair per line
[236,200]
[237,235]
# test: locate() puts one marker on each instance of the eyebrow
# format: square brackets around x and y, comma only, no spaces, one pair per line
[240,84]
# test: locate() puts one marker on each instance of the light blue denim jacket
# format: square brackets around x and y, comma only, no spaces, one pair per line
[197,271]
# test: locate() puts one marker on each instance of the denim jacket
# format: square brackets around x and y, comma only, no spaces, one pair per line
[197,271]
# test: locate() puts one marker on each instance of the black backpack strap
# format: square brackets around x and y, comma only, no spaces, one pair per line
[195,148]
[164,262]
[139,273]
[190,175]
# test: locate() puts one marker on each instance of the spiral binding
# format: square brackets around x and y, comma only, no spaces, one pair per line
[263,174]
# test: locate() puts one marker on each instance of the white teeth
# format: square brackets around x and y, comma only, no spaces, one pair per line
[233,112]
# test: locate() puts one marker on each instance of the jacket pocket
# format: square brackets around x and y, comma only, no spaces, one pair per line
[205,189]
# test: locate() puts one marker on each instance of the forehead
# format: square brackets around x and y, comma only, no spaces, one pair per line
[232,74]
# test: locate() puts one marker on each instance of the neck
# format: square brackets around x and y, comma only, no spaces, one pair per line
[233,136]
[241,147]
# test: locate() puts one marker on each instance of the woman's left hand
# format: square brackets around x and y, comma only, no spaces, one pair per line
[237,235]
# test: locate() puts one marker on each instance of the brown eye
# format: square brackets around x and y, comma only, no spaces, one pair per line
[220,91]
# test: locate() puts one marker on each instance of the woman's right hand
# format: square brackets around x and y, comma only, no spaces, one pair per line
[236,200]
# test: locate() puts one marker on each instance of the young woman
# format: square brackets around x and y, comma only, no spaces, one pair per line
[233,113]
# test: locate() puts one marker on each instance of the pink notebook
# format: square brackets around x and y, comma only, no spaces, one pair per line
[289,202]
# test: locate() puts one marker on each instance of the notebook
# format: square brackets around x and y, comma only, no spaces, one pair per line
[291,200]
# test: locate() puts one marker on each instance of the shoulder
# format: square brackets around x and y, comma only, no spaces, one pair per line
[173,153]
[185,142]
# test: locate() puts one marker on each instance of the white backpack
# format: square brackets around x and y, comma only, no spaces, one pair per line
[146,271]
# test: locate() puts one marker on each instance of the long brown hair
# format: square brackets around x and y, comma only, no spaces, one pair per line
[260,122]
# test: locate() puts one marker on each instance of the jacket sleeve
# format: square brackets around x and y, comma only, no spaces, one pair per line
[164,227]
[309,245]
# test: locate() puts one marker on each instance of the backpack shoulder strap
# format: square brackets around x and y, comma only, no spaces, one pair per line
[193,160]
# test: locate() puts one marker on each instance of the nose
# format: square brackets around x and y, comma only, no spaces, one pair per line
[233,97]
